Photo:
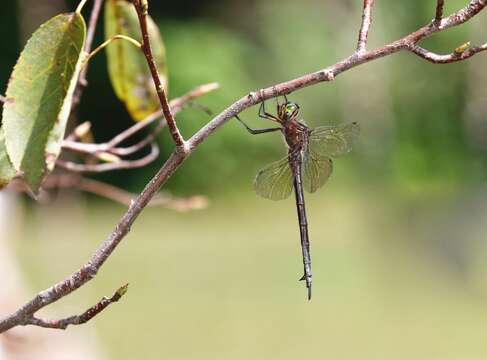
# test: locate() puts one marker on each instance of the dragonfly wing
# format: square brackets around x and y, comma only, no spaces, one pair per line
[316,170]
[275,181]
[333,140]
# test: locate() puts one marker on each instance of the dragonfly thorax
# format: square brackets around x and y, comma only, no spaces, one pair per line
[296,135]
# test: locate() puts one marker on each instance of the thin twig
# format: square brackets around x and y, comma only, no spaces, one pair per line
[78,319]
[104,167]
[440,5]
[90,35]
[141,6]
[125,151]
[364,28]
[95,14]
[111,146]
[180,204]
[59,180]
[197,92]
[89,270]
[126,134]
[83,148]
[176,105]
[447,58]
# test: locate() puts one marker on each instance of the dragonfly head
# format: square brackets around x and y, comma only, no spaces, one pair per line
[288,111]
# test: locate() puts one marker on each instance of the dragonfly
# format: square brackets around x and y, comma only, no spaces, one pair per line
[308,163]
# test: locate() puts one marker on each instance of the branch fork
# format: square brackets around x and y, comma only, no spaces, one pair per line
[113,148]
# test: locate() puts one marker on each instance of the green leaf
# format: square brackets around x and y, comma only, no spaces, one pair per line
[7,171]
[40,93]
[129,73]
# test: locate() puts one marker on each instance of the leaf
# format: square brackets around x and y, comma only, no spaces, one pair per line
[40,93]
[129,73]
[7,171]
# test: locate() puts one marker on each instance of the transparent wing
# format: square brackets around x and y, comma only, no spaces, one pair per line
[275,181]
[333,140]
[316,171]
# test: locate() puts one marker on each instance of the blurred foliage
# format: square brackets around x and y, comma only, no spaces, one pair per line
[390,282]
[9,47]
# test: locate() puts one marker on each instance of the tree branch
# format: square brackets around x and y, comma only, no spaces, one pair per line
[89,270]
[364,28]
[141,6]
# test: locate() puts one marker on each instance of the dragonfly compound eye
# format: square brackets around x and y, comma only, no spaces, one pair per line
[290,108]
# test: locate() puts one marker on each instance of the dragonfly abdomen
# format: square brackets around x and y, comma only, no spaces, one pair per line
[295,163]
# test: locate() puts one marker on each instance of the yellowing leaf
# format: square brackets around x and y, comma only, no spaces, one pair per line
[129,73]
[39,95]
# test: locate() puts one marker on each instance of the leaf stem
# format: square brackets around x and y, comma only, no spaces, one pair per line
[80,6]
[107,42]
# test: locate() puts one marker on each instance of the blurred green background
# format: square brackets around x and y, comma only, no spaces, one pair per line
[398,234]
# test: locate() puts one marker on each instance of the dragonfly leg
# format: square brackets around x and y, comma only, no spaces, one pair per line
[264,114]
[285,100]
[201,107]
[256,131]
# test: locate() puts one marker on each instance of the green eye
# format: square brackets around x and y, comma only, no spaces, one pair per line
[290,107]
